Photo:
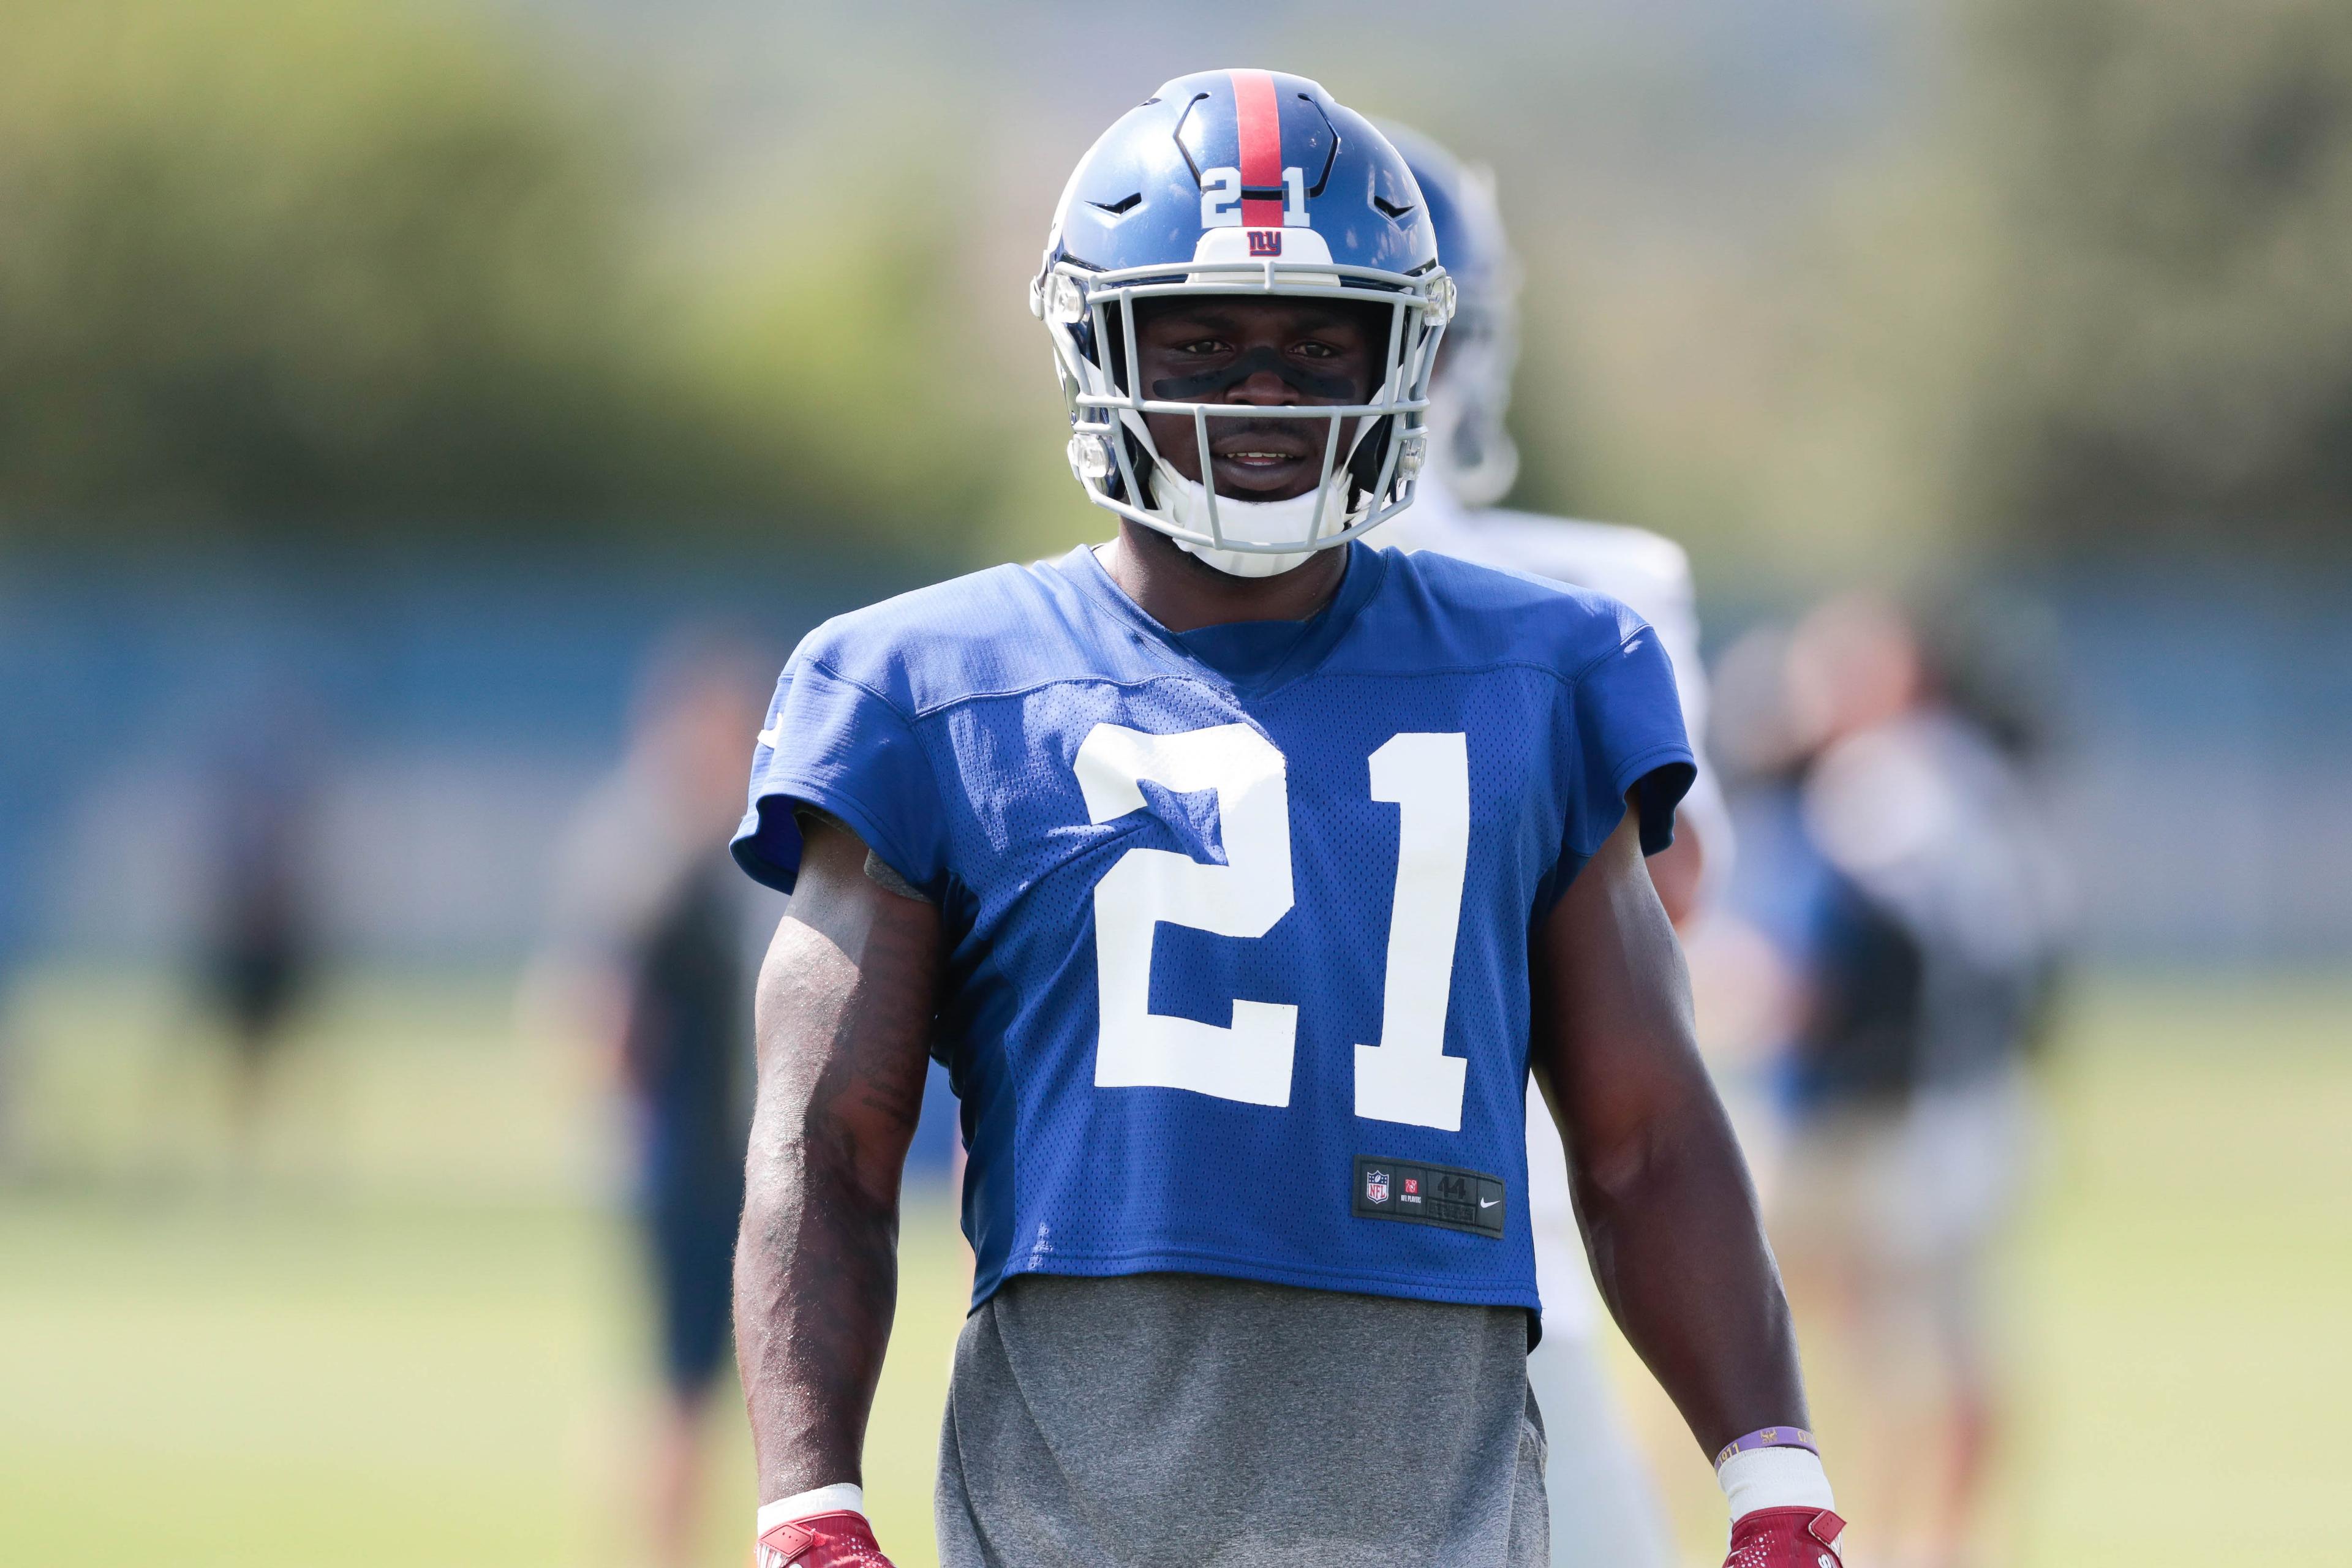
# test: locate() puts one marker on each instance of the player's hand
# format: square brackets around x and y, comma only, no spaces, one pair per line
[1786,1538]
[840,1540]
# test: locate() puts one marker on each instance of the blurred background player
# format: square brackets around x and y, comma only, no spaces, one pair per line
[1896,857]
[1605,1506]
[651,960]
[260,943]
[9,1067]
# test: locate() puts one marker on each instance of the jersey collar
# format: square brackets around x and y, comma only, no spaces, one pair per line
[1310,641]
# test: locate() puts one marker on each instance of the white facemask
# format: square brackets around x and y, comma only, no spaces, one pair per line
[1290,521]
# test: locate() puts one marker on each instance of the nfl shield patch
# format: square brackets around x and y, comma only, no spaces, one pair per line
[1376,1185]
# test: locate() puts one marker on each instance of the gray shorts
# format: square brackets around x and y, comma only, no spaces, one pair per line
[1181,1419]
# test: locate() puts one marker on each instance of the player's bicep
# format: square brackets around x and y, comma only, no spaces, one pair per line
[1612,1037]
[843,1017]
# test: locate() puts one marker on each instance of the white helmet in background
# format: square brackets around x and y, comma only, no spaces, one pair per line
[1471,450]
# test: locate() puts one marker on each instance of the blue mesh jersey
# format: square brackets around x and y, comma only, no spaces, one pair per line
[1237,920]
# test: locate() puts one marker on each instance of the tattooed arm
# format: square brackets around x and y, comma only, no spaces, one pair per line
[846,1002]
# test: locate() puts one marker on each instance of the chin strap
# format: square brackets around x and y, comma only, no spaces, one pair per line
[1186,502]
[1244,562]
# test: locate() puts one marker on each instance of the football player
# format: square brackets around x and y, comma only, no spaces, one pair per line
[1932,931]
[649,963]
[1604,1506]
[1239,871]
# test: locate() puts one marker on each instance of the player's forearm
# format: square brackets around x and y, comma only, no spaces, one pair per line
[1677,1247]
[844,1009]
[1668,1213]
[817,1285]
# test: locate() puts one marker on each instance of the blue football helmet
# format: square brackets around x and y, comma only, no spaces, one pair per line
[1241,181]
[1471,450]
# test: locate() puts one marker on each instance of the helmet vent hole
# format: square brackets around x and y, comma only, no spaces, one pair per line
[1390,209]
[1121,208]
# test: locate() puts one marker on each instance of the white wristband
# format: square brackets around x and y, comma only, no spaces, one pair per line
[1773,1478]
[842,1497]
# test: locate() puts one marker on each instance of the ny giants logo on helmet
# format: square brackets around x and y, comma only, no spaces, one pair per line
[1266,242]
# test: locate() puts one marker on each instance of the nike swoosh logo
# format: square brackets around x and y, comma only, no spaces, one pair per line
[772,739]
[1488,1203]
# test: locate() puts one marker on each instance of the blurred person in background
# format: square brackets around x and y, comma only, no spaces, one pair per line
[1605,1512]
[9,1132]
[652,960]
[260,945]
[1913,890]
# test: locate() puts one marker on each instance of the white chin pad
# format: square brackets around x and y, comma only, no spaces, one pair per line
[1292,522]
[1244,562]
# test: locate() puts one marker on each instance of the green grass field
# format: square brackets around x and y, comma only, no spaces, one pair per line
[404,1330]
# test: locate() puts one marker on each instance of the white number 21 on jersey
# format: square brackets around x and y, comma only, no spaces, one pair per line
[1407,1077]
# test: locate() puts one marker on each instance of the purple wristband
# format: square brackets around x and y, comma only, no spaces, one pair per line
[1769,1437]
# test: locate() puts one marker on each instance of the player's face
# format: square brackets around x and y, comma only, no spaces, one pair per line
[1267,352]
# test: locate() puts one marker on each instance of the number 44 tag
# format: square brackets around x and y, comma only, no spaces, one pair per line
[1406,1077]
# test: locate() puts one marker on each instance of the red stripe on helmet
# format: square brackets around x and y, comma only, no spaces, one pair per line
[1257,114]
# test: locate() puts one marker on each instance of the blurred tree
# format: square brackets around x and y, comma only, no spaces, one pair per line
[828,321]
[276,261]
[357,270]
[2171,346]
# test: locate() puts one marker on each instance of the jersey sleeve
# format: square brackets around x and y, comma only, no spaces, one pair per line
[1665,596]
[1628,729]
[838,745]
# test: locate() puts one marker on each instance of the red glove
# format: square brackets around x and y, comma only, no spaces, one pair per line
[840,1540]
[1786,1538]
